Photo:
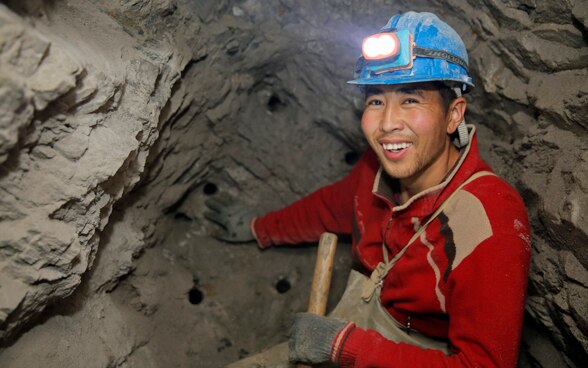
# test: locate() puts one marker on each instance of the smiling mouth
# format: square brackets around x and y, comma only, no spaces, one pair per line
[395,147]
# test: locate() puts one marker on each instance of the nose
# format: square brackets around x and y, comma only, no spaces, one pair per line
[391,119]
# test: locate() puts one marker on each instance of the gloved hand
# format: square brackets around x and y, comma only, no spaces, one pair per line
[232,217]
[311,338]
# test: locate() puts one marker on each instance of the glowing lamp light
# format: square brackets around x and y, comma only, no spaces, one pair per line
[380,46]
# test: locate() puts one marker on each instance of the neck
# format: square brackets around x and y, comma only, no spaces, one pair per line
[433,175]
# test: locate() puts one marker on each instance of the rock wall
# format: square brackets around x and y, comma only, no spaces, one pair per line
[118,114]
[81,102]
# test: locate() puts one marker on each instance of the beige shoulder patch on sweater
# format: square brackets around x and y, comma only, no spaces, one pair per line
[469,223]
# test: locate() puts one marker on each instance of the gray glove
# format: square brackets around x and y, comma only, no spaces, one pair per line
[232,217]
[311,338]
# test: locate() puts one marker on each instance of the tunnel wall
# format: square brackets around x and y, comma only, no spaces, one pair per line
[112,115]
[81,106]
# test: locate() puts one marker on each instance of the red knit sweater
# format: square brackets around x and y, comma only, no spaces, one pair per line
[464,280]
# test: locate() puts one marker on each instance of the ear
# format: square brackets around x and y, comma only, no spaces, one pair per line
[455,114]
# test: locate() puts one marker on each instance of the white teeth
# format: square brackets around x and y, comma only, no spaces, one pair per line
[395,146]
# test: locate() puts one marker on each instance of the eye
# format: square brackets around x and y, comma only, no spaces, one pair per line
[411,101]
[373,101]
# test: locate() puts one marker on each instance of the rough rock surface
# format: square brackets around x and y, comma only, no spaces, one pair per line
[84,104]
[119,118]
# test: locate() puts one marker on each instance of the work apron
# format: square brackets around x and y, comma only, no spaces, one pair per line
[371,315]
[361,304]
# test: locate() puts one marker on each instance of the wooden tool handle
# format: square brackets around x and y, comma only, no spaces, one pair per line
[323,269]
[321,280]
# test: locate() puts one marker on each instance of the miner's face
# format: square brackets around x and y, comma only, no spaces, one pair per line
[408,127]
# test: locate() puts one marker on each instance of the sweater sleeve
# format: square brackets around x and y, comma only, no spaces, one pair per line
[485,307]
[329,208]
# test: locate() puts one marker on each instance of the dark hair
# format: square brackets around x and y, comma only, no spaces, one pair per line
[445,91]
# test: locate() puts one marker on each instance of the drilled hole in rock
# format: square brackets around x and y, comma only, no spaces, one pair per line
[274,103]
[210,189]
[182,216]
[195,296]
[283,285]
[351,158]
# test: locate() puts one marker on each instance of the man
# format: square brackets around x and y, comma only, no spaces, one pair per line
[446,242]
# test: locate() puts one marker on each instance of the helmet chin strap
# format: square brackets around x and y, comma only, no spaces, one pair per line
[462,137]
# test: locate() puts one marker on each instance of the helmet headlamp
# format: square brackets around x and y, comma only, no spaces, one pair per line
[380,46]
[388,51]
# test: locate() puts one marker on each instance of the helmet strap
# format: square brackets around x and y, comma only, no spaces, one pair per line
[440,54]
[462,137]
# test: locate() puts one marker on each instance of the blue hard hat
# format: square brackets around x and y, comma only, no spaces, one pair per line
[430,50]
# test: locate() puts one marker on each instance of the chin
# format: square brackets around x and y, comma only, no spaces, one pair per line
[398,172]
